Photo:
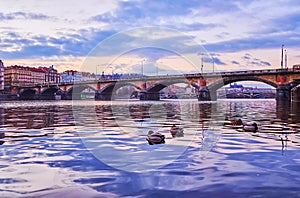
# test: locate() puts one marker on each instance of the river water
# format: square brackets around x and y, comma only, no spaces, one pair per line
[99,149]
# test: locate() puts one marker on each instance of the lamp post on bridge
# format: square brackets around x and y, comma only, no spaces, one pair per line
[97,71]
[142,67]
[201,66]
[213,62]
[201,63]
[281,57]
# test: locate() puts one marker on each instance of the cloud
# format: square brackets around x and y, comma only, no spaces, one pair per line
[196,26]
[247,56]
[218,61]
[265,63]
[235,62]
[224,26]
[222,35]
[251,61]
[23,15]
[172,14]
[14,46]
[262,42]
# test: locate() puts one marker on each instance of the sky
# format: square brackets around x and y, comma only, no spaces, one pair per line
[152,37]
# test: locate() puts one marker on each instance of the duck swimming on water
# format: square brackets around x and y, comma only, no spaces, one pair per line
[236,122]
[250,127]
[155,138]
[176,131]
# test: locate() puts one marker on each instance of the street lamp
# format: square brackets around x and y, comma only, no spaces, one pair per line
[213,62]
[281,56]
[97,71]
[142,67]
[201,62]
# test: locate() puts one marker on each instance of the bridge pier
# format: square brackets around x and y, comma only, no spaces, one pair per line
[296,94]
[28,97]
[283,109]
[103,96]
[62,94]
[46,97]
[283,93]
[207,95]
[295,111]
[149,96]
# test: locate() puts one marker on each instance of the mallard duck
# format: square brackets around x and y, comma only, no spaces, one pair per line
[236,122]
[155,138]
[176,131]
[250,127]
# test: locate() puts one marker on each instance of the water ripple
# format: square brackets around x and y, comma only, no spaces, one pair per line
[44,151]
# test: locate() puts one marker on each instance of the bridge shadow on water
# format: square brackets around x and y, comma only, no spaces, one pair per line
[288,111]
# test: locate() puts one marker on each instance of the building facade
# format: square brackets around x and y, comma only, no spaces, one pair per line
[71,76]
[22,76]
[1,75]
[51,74]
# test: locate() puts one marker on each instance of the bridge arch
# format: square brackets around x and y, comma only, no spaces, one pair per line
[107,92]
[294,84]
[157,87]
[227,80]
[49,93]
[27,94]
[152,92]
[75,91]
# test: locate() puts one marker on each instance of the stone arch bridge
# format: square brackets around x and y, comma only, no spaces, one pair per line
[148,87]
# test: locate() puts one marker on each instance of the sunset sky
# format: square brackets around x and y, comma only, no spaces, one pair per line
[239,35]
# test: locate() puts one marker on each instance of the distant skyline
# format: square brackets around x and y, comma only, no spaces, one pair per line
[240,35]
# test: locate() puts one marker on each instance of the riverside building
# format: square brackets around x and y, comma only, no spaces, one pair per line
[22,75]
[71,76]
[1,75]
[51,75]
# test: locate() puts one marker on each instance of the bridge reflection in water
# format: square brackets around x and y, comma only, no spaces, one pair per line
[285,81]
[60,155]
[46,116]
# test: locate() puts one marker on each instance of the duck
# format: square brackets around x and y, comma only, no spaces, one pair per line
[250,127]
[176,131]
[236,122]
[155,138]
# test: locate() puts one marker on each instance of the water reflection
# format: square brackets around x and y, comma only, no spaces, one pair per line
[139,112]
[36,117]
[284,141]
[288,111]
[240,162]
[283,110]
[295,111]
[206,110]
[2,114]
[123,130]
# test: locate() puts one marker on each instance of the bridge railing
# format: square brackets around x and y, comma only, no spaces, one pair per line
[212,74]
